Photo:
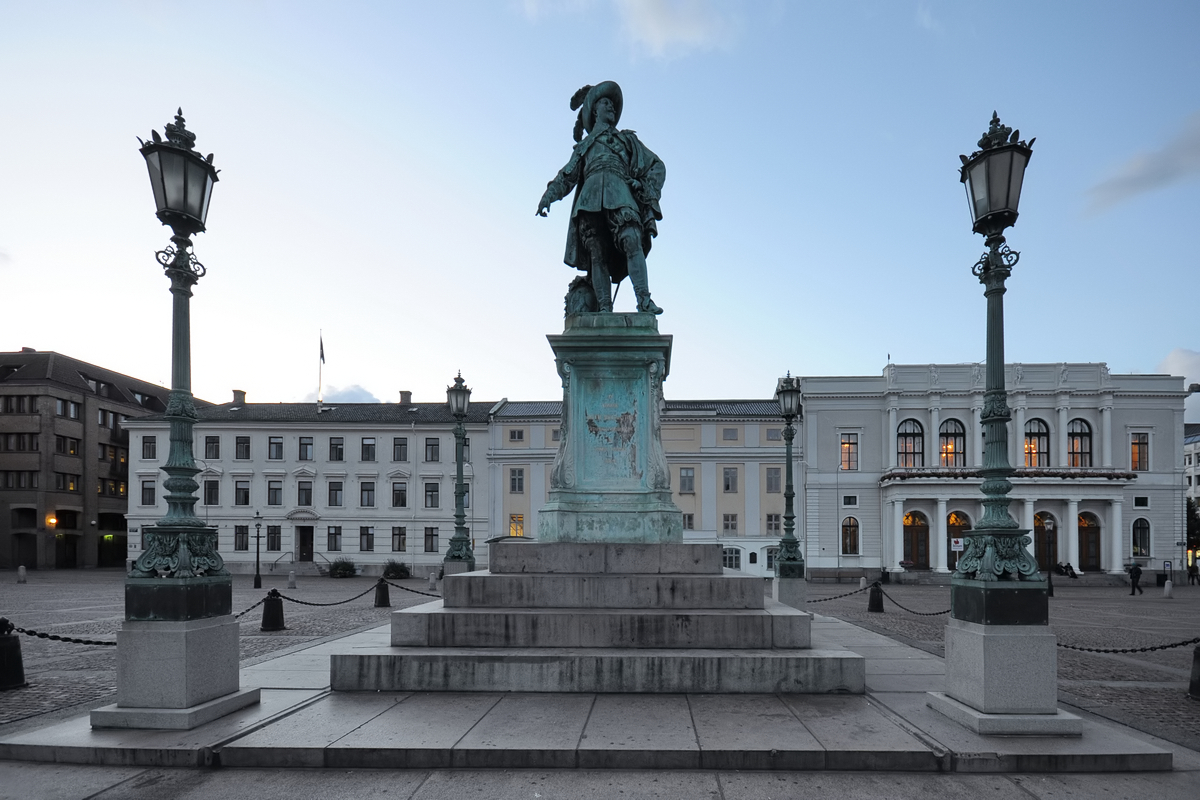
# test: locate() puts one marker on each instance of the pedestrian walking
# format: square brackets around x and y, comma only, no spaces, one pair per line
[1194,574]
[1135,577]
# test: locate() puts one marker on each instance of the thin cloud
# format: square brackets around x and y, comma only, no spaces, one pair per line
[667,28]
[1182,361]
[1178,160]
[350,394]
[925,18]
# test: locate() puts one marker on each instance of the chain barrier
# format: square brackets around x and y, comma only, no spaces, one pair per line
[405,588]
[1130,649]
[251,608]
[909,610]
[839,596]
[306,603]
[67,639]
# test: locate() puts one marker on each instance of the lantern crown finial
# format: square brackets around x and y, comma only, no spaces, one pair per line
[178,134]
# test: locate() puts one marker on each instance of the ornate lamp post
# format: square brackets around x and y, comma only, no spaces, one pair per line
[789,563]
[257,539]
[996,549]
[459,557]
[181,545]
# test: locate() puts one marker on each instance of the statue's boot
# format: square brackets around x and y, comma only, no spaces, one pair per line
[602,286]
[641,288]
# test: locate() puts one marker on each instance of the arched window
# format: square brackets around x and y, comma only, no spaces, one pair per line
[952,444]
[1141,538]
[910,444]
[1079,444]
[850,536]
[1037,444]
[731,558]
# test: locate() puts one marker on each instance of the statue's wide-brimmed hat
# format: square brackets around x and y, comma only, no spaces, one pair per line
[585,100]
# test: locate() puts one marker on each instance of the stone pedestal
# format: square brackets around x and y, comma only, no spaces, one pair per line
[792,592]
[610,480]
[1002,661]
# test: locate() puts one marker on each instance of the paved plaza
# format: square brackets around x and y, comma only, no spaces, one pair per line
[1143,690]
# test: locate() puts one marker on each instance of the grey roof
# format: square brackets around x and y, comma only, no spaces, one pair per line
[726,408]
[36,367]
[1191,432]
[533,408]
[337,413]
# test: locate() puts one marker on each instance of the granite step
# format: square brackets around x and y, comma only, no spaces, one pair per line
[574,670]
[563,590]
[521,556]
[434,625]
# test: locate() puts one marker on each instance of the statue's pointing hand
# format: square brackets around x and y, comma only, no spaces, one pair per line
[544,205]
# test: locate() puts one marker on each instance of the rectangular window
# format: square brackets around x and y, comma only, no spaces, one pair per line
[849,451]
[731,558]
[431,495]
[689,522]
[212,446]
[1139,452]
[774,523]
[400,494]
[241,537]
[102,417]
[304,493]
[431,540]
[147,493]
[274,493]
[275,448]
[274,538]
[687,480]
[516,480]
[774,435]
[241,493]
[60,407]
[729,524]
[368,448]
[212,493]
[400,448]
[335,493]
[516,435]
[729,479]
[73,410]
[772,554]
[334,538]
[432,451]
[729,434]
[306,448]
[120,486]
[556,435]
[102,451]
[366,539]
[366,494]
[774,480]
[241,448]
[516,524]
[337,448]
[149,447]
[399,539]
[1141,502]
[850,500]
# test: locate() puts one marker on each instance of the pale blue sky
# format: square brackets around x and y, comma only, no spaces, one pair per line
[382,162]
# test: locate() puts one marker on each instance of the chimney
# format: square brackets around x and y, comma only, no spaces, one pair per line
[28,350]
[405,398]
[239,398]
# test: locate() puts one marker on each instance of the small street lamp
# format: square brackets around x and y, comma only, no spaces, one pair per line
[789,563]
[459,553]
[257,539]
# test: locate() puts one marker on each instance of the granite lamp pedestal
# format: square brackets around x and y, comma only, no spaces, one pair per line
[610,481]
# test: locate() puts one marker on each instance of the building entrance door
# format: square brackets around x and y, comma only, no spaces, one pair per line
[1045,542]
[916,540]
[66,551]
[304,538]
[1089,543]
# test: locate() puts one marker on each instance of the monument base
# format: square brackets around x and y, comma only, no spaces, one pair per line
[1060,723]
[791,592]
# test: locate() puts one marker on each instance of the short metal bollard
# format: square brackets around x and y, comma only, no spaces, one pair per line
[273,612]
[21,574]
[1167,589]
[382,598]
[292,579]
[12,669]
[862,582]
[433,580]
[1194,686]
[875,598]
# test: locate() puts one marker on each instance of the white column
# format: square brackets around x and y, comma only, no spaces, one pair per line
[1106,435]
[1016,442]
[977,435]
[1072,533]
[1116,537]
[1060,458]
[891,453]
[1027,524]
[934,446]
[940,543]
[897,534]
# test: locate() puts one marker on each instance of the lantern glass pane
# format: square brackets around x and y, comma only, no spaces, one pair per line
[207,195]
[156,183]
[196,180]
[977,177]
[173,167]
[1018,176]
[999,168]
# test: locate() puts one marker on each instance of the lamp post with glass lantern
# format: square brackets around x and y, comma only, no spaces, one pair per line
[257,539]
[459,557]
[789,563]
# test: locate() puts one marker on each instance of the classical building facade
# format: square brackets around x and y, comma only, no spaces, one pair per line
[370,482]
[64,459]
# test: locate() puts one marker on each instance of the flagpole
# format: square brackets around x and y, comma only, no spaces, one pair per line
[320,369]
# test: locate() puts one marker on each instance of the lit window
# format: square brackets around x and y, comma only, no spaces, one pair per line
[516,524]
[849,451]
[1079,444]
[1037,444]
[1139,452]
[850,536]
[952,444]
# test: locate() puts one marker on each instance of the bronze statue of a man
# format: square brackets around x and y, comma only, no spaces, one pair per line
[617,182]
